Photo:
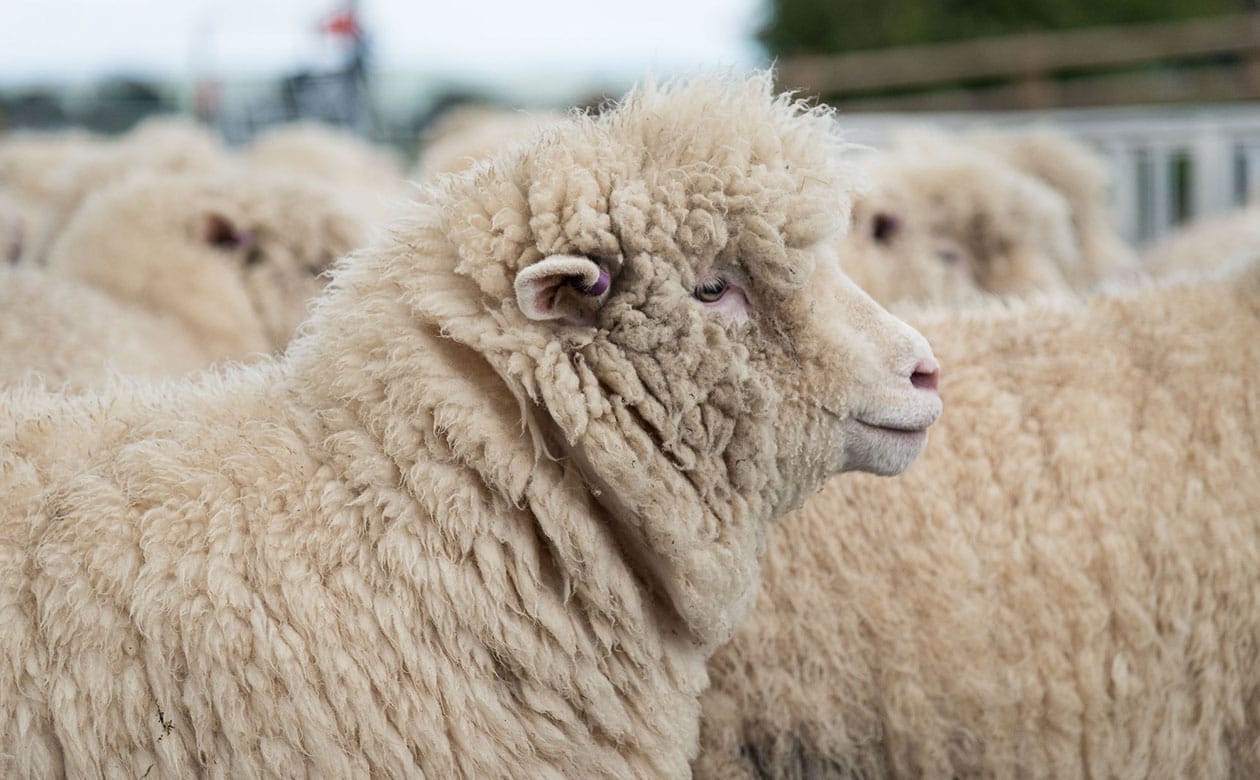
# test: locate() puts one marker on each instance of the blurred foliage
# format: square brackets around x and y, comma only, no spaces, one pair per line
[825,26]
[31,108]
[111,105]
[119,103]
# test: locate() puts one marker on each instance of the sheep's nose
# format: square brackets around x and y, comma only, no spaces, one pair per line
[926,374]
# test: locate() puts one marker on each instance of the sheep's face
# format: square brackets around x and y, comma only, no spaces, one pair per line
[234,260]
[952,226]
[697,261]
[893,254]
[296,231]
[689,331]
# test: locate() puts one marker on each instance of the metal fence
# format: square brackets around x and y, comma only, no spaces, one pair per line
[1170,165]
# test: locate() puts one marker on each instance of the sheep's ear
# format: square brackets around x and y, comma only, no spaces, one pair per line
[221,232]
[562,287]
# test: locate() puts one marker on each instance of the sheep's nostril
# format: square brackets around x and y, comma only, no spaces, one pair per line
[926,375]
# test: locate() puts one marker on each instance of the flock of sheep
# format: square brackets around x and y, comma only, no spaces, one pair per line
[527,466]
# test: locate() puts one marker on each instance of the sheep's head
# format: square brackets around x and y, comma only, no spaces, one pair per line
[945,224]
[233,258]
[293,231]
[892,253]
[665,289]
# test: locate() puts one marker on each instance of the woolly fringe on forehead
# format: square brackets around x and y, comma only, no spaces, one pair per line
[709,167]
[730,122]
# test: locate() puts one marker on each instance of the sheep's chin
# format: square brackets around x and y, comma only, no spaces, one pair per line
[881,450]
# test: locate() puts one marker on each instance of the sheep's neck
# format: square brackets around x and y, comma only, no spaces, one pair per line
[510,525]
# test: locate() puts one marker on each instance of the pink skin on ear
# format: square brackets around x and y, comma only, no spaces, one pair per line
[598,288]
[538,285]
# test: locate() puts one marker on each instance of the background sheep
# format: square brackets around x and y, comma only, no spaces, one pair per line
[29,161]
[224,262]
[468,134]
[1083,178]
[1065,585]
[61,333]
[29,166]
[1205,245]
[371,176]
[162,144]
[360,559]
[943,223]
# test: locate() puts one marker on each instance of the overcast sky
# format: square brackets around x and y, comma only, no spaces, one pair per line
[77,39]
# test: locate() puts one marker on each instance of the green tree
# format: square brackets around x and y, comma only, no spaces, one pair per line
[825,26]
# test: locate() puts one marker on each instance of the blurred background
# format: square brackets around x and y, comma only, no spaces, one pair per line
[1165,90]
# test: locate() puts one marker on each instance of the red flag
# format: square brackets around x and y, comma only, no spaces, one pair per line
[343,24]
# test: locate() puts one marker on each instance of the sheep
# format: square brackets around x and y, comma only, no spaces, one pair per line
[1065,584]
[224,263]
[1204,245]
[944,224]
[370,175]
[29,160]
[466,135]
[29,166]
[60,332]
[1083,178]
[497,502]
[160,144]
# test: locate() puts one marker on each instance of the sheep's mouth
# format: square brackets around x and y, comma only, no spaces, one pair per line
[900,429]
[884,447]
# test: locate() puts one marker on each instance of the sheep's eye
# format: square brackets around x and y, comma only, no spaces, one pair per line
[225,241]
[219,232]
[884,226]
[711,290]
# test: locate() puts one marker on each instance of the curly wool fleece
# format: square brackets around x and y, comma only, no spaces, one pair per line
[439,537]
[1065,585]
